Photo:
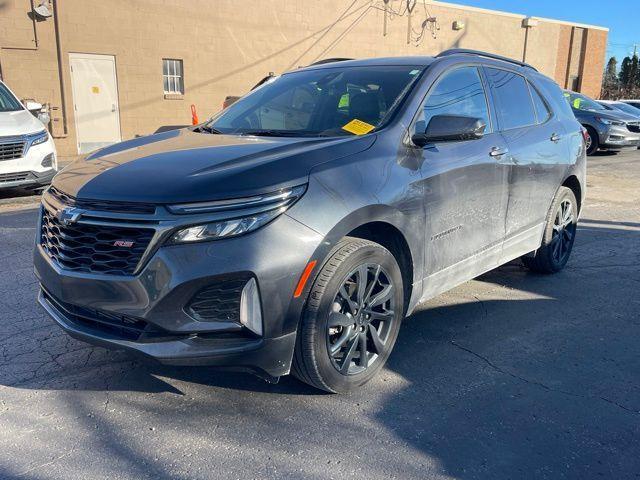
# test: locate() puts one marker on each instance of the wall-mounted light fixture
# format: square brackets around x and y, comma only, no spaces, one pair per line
[458,25]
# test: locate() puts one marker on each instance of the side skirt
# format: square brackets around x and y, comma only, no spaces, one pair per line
[482,262]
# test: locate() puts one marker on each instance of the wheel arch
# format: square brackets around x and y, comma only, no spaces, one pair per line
[574,185]
[391,238]
[379,223]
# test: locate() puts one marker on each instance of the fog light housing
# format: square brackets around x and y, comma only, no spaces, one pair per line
[47,161]
[250,313]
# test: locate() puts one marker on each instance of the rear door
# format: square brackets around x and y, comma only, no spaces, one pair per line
[95,100]
[536,158]
[464,186]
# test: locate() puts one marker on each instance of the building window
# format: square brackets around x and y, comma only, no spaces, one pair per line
[172,76]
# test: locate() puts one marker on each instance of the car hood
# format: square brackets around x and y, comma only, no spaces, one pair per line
[607,115]
[185,166]
[19,123]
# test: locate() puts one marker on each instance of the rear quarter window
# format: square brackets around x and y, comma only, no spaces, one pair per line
[554,95]
[513,102]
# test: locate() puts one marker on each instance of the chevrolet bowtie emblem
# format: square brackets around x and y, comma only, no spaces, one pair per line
[69,215]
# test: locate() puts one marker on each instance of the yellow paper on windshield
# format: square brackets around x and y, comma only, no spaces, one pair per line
[358,127]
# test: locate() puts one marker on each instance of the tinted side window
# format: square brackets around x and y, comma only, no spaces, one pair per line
[513,101]
[458,92]
[542,111]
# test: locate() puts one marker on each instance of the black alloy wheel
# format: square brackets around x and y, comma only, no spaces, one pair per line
[559,235]
[351,319]
[361,317]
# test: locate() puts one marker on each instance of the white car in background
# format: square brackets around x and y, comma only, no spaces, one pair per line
[27,153]
[621,106]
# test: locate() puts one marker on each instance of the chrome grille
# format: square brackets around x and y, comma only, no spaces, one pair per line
[97,205]
[12,147]
[90,248]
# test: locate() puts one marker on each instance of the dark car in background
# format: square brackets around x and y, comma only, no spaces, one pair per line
[606,129]
[296,229]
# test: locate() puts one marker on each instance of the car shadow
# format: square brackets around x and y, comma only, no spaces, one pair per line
[506,376]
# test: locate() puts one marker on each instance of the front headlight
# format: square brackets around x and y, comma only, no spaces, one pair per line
[606,121]
[244,215]
[224,228]
[39,138]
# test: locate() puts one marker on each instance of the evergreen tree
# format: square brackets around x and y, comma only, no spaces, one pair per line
[610,84]
[625,72]
[634,75]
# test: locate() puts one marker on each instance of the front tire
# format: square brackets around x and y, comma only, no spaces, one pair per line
[559,235]
[592,141]
[352,317]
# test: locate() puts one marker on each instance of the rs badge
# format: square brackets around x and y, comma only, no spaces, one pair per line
[124,243]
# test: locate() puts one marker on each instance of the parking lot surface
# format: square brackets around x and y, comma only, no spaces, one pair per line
[511,375]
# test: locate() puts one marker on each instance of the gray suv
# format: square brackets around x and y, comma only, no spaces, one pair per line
[295,230]
[606,129]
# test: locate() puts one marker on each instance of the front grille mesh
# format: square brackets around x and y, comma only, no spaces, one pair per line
[11,151]
[93,248]
[634,127]
[14,177]
[219,302]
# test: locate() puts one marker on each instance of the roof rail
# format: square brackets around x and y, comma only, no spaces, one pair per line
[329,60]
[465,51]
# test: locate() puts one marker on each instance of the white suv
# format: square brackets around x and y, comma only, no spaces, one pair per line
[27,153]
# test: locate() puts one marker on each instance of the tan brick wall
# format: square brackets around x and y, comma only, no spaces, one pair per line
[227,45]
[562,55]
[593,63]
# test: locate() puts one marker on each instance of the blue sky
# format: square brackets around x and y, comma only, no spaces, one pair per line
[620,16]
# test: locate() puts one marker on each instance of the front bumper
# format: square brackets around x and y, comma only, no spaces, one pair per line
[28,179]
[274,255]
[34,169]
[619,137]
[261,355]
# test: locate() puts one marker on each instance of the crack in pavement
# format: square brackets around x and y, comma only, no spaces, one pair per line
[539,384]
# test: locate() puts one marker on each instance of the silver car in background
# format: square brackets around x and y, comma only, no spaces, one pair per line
[606,129]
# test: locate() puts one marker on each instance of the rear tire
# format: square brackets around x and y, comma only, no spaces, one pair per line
[559,235]
[593,141]
[352,317]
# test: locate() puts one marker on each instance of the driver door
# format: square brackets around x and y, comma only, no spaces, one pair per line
[465,186]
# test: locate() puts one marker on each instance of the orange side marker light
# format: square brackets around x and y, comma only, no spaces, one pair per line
[303,278]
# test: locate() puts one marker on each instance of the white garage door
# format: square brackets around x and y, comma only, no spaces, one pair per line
[95,100]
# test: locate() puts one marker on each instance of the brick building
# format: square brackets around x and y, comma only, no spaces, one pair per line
[113,69]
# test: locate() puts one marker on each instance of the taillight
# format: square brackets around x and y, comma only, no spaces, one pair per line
[585,134]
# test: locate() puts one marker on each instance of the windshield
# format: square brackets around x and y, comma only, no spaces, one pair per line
[322,102]
[8,103]
[580,102]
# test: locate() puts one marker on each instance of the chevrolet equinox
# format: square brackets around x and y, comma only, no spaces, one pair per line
[294,230]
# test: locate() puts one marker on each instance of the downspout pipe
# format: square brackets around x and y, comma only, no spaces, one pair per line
[63,102]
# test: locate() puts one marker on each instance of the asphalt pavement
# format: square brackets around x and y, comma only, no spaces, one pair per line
[511,375]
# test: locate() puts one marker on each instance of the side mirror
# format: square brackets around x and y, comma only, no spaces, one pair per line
[449,128]
[44,117]
[32,106]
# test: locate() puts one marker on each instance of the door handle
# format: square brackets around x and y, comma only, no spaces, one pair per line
[498,152]
[555,138]
[113,107]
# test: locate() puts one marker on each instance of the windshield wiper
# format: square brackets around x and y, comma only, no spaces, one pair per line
[207,129]
[276,133]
